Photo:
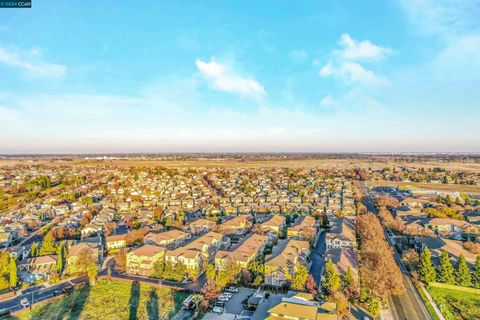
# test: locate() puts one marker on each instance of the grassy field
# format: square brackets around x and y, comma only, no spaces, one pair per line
[111,300]
[462,188]
[456,304]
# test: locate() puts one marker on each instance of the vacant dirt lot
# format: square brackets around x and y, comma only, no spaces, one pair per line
[428,186]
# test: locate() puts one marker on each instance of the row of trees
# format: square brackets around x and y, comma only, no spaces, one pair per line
[8,271]
[445,272]
[380,275]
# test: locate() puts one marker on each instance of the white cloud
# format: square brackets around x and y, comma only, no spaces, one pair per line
[344,63]
[223,78]
[360,50]
[29,63]
[352,72]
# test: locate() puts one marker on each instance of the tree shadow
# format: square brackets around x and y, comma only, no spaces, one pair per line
[134,300]
[152,305]
[78,302]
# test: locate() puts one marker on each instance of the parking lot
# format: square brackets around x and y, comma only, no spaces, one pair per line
[235,306]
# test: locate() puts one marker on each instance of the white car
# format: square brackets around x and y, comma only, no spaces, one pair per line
[24,303]
[223,299]
[232,289]
[217,309]
[227,294]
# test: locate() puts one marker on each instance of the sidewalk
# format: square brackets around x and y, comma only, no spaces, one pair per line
[434,305]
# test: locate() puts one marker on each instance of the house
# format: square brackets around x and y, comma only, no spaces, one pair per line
[116,242]
[274,225]
[343,259]
[437,244]
[236,225]
[341,234]
[448,227]
[142,261]
[172,238]
[245,253]
[305,230]
[196,254]
[200,226]
[284,260]
[37,268]
[80,255]
[302,306]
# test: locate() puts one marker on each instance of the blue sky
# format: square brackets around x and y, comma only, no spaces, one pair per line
[159,76]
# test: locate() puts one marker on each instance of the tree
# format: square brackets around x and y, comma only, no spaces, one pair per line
[300,278]
[348,278]
[211,272]
[476,273]
[168,222]
[48,245]
[411,259]
[34,250]
[445,269]
[13,273]
[210,291]
[462,275]
[374,306]
[342,304]
[331,283]
[92,271]
[311,285]
[448,200]
[158,268]
[425,267]
[61,256]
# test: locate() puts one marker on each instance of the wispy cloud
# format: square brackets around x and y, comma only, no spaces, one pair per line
[30,63]
[222,77]
[345,63]
[360,50]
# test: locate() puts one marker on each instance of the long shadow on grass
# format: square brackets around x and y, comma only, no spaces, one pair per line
[134,300]
[152,305]
[76,305]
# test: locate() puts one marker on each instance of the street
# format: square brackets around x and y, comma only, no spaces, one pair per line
[409,305]
[39,293]
[317,257]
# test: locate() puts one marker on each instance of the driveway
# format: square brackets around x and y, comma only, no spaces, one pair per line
[235,306]
[317,257]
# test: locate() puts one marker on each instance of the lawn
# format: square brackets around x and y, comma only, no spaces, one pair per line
[112,300]
[455,304]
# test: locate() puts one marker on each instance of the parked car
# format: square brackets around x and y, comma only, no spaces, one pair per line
[232,290]
[217,309]
[227,294]
[4,312]
[223,299]
[24,303]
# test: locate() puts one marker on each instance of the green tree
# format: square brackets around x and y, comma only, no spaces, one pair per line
[168,222]
[374,306]
[347,278]
[92,271]
[158,268]
[61,256]
[445,269]
[331,282]
[34,250]
[426,270]
[476,273]
[13,273]
[211,272]
[439,199]
[48,245]
[462,274]
[448,200]
[300,277]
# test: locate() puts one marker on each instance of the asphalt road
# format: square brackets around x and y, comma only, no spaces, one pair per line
[317,257]
[38,293]
[409,305]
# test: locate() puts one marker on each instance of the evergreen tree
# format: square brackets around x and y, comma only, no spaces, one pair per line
[331,282]
[448,201]
[348,278]
[445,269]
[61,255]
[13,273]
[425,266]
[476,273]
[462,275]
[48,245]
[34,250]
